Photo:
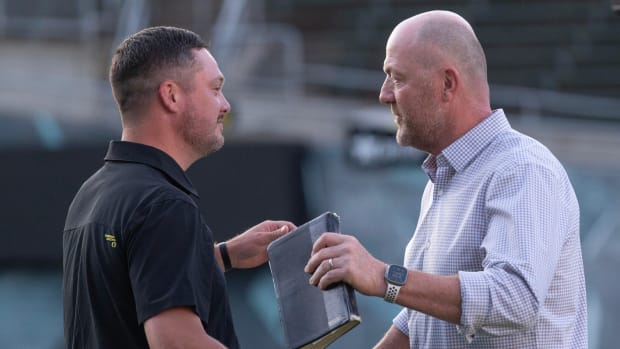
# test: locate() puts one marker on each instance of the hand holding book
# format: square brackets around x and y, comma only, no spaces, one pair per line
[346,255]
[310,317]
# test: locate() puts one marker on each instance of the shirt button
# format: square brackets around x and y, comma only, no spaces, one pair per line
[440,192]
[428,244]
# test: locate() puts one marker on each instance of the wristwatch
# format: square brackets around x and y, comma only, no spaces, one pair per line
[395,276]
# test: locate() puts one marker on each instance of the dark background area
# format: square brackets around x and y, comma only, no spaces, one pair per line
[239,186]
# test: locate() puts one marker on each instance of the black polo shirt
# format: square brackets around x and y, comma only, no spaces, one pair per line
[134,245]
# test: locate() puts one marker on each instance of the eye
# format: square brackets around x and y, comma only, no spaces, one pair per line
[219,87]
[392,78]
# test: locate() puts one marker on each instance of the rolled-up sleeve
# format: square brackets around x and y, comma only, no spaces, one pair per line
[522,247]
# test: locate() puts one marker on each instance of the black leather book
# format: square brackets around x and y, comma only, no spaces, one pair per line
[310,317]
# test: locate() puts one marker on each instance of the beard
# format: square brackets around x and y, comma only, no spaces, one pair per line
[423,128]
[203,142]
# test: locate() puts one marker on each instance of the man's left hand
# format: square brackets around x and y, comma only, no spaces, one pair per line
[339,257]
[249,249]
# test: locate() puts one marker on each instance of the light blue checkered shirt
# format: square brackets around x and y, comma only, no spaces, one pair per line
[500,211]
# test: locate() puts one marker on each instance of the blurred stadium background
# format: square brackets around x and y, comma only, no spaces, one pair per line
[306,133]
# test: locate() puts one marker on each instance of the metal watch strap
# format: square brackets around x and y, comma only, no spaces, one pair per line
[391,293]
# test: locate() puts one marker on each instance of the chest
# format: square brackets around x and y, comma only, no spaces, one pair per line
[452,224]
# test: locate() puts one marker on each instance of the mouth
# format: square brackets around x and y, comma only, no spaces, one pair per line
[397,119]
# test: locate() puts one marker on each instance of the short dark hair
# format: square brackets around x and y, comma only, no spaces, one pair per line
[145,59]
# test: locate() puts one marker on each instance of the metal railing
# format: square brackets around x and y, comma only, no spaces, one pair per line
[80,19]
[240,45]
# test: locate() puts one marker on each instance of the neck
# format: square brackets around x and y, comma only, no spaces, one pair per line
[463,117]
[162,136]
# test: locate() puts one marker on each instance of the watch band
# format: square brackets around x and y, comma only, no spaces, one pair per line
[224,253]
[395,277]
[391,293]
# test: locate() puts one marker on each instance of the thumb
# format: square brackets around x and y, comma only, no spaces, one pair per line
[280,231]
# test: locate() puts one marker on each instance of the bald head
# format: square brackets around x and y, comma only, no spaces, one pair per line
[438,37]
[436,80]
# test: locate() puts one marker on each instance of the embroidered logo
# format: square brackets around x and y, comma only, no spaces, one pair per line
[112,239]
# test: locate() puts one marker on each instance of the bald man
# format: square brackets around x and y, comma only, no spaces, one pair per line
[495,260]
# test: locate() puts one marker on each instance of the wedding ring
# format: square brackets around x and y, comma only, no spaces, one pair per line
[331,263]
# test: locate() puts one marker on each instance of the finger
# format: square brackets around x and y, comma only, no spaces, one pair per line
[325,240]
[289,225]
[323,268]
[312,263]
[280,231]
[317,259]
[335,273]
[333,276]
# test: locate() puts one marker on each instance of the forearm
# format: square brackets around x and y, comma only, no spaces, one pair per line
[249,250]
[435,295]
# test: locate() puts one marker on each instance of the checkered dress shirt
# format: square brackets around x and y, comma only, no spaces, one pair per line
[500,211]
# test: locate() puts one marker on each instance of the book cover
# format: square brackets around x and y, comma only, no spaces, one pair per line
[310,317]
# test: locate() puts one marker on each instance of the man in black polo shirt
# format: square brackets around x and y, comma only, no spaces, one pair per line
[140,265]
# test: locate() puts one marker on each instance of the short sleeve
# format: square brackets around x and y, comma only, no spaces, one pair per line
[164,252]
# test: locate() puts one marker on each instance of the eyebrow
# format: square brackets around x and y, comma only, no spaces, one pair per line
[388,68]
[389,71]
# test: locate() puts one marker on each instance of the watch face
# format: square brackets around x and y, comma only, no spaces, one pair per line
[397,274]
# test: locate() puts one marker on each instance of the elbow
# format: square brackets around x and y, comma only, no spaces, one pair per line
[521,318]
[530,318]
[514,311]
[498,304]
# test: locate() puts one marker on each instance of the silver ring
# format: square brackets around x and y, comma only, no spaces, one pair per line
[331,263]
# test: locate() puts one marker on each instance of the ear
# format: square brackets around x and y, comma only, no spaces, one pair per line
[169,94]
[451,81]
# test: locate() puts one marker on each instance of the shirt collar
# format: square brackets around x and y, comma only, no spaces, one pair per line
[462,151]
[123,151]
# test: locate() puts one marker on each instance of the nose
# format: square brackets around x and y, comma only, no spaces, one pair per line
[386,95]
[225,105]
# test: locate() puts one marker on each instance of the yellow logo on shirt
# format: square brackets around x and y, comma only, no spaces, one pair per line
[112,239]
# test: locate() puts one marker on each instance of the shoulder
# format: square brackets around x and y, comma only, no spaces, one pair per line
[146,184]
[122,194]
[517,162]
[512,150]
